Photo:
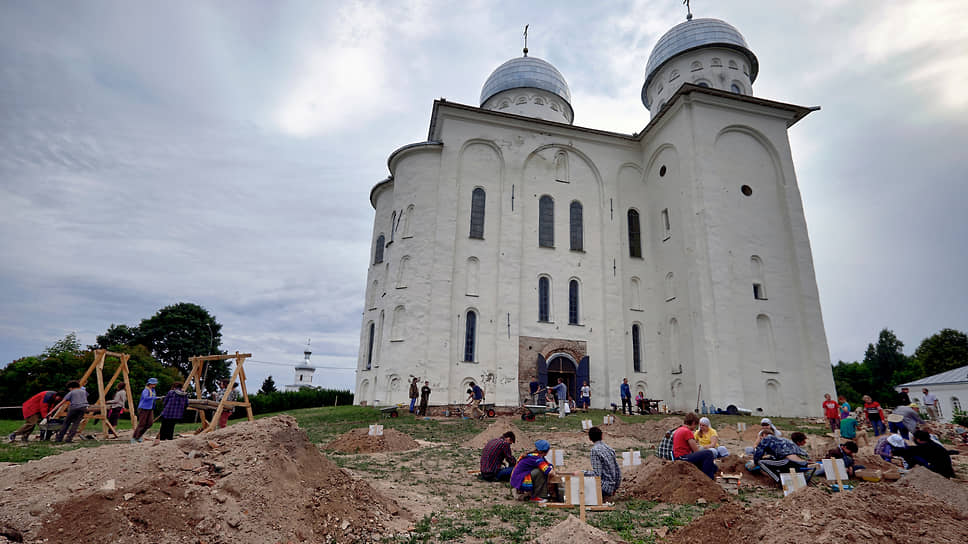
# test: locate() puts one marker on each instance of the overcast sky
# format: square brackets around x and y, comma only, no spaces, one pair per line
[222,153]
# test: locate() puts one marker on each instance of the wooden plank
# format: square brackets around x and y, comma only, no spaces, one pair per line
[204,358]
[245,392]
[587,508]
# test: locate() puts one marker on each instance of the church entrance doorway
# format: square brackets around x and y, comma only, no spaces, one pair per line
[561,366]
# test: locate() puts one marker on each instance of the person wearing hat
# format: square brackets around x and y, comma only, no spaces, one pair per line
[904,420]
[146,410]
[532,471]
[766,423]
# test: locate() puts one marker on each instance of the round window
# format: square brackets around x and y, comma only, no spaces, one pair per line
[747,190]
[662,171]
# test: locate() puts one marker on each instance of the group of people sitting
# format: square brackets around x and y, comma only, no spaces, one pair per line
[531,473]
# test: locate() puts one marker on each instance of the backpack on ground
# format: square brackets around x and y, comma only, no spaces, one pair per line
[664,450]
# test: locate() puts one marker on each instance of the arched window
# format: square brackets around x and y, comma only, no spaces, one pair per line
[635,235]
[374,288]
[635,286]
[575,221]
[674,344]
[759,285]
[473,273]
[736,88]
[470,336]
[402,272]
[765,341]
[733,65]
[477,213]
[696,66]
[378,251]
[544,299]
[398,326]
[573,302]
[636,349]
[670,284]
[393,224]
[546,222]
[561,166]
[369,345]
[955,405]
[406,222]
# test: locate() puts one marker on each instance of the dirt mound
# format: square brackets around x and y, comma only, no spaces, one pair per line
[573,530]
[360,441]
[728,432]
[249,483]
[867,514]
[945,490]
[495,430]
[735,464]
[647,431]
[679,482]
[633,477]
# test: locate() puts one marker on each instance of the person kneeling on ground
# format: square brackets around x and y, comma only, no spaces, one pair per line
[685,447]
[928,453]
[775,455]
[531,473]
[496,452]
[708,438]
[604,464]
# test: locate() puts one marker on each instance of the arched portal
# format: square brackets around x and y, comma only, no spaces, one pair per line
[563,366]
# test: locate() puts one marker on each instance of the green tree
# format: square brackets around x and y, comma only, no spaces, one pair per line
[29,375]
[852,380]
[888,367]
[184,330]
[946,350]
[118,335]
[68,344]
[268,386]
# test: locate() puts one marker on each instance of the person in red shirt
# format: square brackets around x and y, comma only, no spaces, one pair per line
[875,415]
[685,447]
[831,411]
[35,409]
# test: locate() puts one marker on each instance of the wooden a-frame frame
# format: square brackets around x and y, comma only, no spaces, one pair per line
[195,379]
[100,405]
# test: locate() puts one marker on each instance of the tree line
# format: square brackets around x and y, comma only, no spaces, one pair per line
[885,365]
[160,347]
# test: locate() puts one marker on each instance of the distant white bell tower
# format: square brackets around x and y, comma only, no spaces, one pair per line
[303,373]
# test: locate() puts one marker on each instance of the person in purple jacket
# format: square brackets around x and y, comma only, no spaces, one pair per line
[175,403]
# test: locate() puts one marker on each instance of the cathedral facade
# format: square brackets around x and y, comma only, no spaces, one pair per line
[512,245]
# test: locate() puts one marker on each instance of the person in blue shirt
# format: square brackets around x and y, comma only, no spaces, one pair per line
[146,410]
[561,393]
[476,398]
[626,393]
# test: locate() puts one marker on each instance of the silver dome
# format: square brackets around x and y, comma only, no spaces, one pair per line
[525,72]
[694,34]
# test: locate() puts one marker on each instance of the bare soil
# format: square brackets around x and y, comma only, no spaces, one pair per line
[573,529]
[360,441]
[871,513]
[954,493]
[679,482]
[249,483]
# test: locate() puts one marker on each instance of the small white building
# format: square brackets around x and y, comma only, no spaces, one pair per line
[513,243]
[303,374]
[950,387]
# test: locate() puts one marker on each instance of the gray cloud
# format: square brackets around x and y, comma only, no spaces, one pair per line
[223,154]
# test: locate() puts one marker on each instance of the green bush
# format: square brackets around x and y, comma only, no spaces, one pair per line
[960,418]
[304,398]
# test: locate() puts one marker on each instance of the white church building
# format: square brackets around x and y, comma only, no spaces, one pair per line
[513,243]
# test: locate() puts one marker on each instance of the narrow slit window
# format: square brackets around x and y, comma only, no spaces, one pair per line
[477,213]
[573,302]
[636,349]
[635,235]
[470,336]
[546,222]
[575,221]
[544,302]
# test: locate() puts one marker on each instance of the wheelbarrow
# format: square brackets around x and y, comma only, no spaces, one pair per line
[533,410]
[392,412]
